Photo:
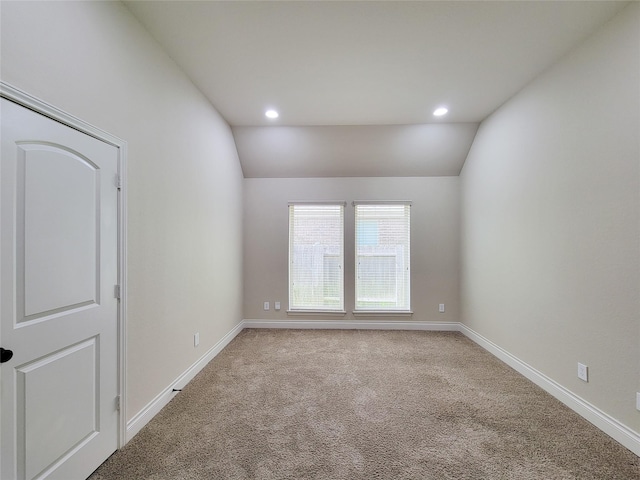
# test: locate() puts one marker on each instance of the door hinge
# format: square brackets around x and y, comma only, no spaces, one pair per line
[118,182]
[118,403]
[116,291]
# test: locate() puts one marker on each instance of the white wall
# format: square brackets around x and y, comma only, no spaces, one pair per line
[434,239]
[550,222]
[93,60]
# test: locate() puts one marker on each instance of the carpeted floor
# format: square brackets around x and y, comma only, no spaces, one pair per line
[349,404]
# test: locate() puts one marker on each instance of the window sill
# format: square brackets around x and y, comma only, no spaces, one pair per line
[337,313]
[382,313]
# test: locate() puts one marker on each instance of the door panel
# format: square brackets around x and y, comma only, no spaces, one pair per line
[60,235]
[58,268]
[57,396]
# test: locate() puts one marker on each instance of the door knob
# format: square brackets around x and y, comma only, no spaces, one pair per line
[5,355]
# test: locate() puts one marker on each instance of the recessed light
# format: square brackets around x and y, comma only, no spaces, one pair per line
[438,112]
[271,114]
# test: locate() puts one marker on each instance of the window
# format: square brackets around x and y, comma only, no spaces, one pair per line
[316,257]
[382,256]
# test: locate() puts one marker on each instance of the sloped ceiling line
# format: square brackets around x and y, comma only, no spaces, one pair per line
[356,82]
[354,151]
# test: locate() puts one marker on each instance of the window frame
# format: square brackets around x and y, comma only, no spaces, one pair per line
[316,309]
[360,309]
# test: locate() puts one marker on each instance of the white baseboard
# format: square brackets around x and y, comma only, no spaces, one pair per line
[352,325]
[154,406]
[609,425]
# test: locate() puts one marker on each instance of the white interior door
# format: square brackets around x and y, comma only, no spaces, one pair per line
[58,269]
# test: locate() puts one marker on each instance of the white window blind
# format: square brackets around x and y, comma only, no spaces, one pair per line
[383,256]
[316,257]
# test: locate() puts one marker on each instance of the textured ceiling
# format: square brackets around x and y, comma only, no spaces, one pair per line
[332,63]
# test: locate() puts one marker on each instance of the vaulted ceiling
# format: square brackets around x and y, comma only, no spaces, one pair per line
[356,83]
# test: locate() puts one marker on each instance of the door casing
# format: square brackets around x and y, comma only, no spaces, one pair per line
[26,100]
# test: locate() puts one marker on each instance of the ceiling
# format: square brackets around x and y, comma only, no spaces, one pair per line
[370,64]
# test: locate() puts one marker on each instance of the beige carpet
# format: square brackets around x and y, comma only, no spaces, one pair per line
[348,404]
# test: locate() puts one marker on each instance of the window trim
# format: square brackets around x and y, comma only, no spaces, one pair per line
[314,310]
[381,311]
[381,202]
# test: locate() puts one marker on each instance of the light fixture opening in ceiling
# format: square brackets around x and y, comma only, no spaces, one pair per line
[271,114]
[440,111]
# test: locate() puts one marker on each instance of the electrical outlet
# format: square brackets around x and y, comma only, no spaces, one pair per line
[196,339]
[276,305]
[583,372]
[441,308]
[266,305]
[638,401]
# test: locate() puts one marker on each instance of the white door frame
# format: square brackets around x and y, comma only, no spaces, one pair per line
[18,96]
